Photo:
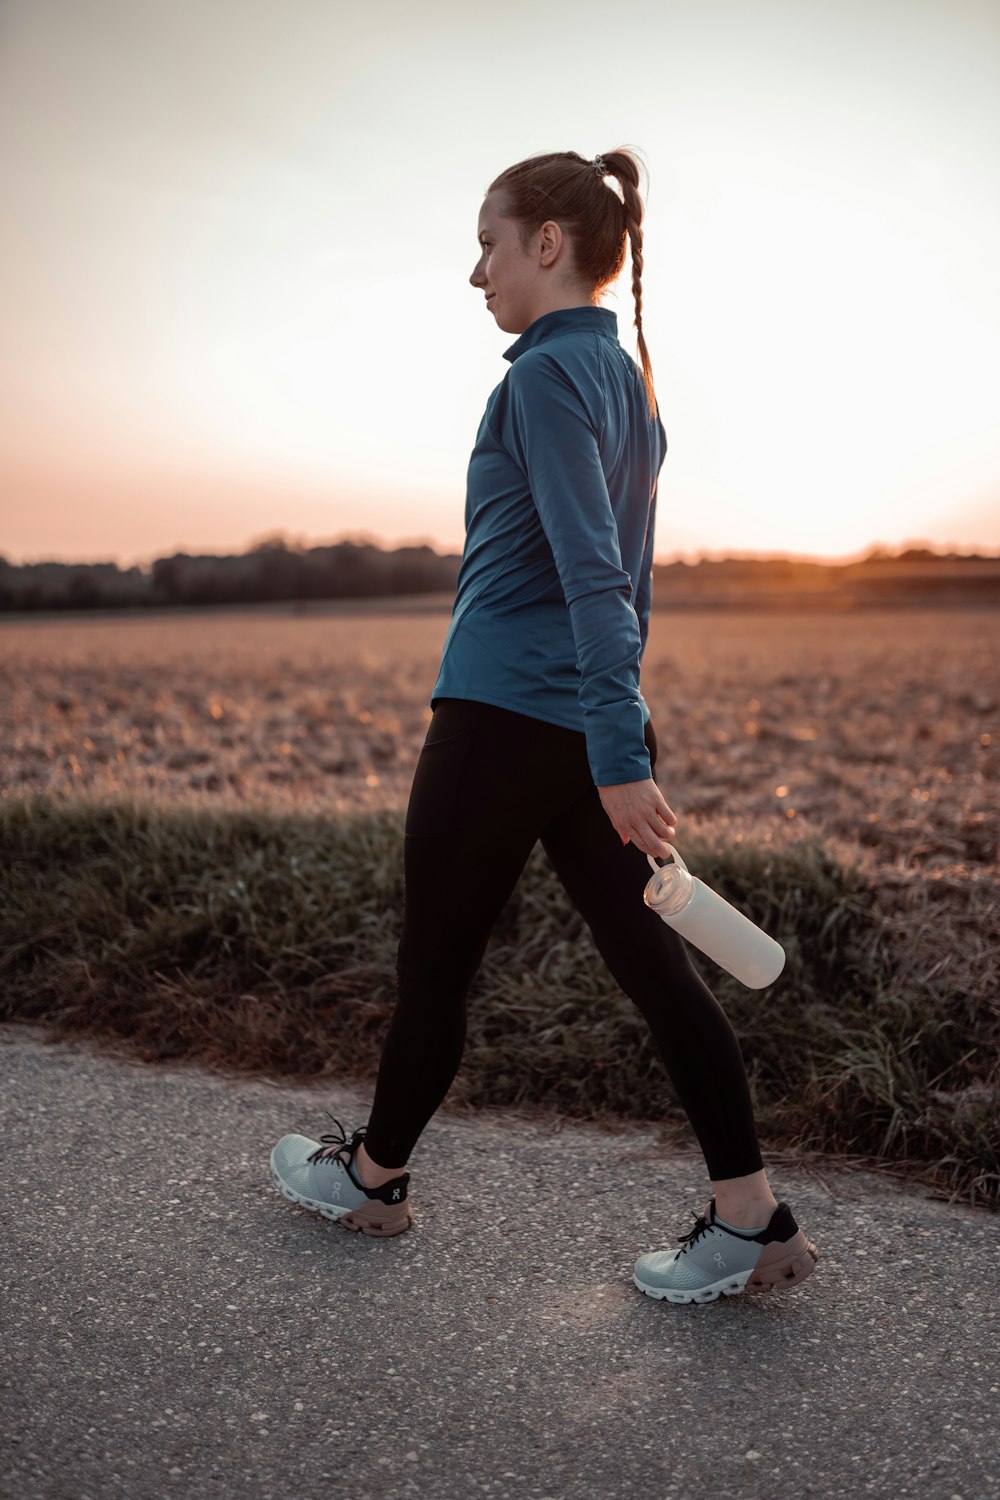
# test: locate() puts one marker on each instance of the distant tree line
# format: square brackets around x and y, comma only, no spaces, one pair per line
[272,571]
[275,571]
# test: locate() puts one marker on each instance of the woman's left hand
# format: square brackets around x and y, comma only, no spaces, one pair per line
[640,815]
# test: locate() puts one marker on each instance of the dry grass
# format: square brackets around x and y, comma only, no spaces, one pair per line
[877,729]
[265,942]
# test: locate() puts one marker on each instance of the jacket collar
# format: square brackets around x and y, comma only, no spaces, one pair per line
[565,320]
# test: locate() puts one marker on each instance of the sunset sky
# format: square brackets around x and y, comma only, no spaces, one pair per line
[236,237]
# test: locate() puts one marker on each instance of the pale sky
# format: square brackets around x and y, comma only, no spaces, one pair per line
[236,235]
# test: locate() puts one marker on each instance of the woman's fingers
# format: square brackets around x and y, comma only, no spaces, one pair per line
[640,815]
[654,839]
[666,821]
[658,828]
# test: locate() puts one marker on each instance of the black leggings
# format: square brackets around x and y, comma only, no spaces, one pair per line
[489,783]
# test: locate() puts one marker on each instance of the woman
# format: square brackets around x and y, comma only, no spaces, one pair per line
[539,731]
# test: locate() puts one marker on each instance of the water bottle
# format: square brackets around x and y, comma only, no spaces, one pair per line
[701,915]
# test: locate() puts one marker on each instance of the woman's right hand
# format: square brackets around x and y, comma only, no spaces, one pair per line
[640,815]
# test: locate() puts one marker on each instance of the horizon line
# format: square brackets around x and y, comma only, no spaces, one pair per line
[358,538]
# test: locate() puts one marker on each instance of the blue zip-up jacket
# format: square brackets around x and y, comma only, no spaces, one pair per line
[552,605]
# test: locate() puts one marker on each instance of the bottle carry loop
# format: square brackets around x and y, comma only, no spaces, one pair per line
[678,861]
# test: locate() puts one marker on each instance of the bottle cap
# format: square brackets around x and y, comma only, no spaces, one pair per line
[669,889]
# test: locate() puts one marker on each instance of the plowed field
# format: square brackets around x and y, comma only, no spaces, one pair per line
[878,728]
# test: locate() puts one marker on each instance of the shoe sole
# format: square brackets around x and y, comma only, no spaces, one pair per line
[380,1220]
[780,1266]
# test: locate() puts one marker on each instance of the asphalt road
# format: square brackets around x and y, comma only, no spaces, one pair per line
[173,1327]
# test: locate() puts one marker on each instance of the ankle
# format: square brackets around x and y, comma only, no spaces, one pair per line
[743,1216]
[370,1173]
[745,1202]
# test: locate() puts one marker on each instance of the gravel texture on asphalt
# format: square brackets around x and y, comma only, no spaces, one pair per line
[172,1326]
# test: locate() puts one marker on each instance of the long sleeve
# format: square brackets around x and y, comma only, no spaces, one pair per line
[644,586]
[547,429]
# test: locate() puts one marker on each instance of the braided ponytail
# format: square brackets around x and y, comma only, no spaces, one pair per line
[625,167]
[564,186]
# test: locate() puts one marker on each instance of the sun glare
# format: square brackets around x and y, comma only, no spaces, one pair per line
[260,306]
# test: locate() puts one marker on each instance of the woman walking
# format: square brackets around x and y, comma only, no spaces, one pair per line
[540,731]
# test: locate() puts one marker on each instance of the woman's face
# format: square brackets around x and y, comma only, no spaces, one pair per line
[508,271]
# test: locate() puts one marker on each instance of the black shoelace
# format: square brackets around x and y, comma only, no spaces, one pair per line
[701,1226]
[334,1144]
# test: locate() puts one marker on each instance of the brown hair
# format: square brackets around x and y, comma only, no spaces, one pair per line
[567,188]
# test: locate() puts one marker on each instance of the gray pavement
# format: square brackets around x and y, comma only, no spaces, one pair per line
[173,1327]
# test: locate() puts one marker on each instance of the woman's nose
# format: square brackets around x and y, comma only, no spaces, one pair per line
[477,278]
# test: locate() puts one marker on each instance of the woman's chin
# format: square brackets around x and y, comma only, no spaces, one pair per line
[509,325]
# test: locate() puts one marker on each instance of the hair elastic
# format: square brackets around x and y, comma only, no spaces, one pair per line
[600,166]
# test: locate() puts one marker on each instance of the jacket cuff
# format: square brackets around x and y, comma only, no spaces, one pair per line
[616,744]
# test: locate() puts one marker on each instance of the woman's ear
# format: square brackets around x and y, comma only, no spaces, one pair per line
[551,242]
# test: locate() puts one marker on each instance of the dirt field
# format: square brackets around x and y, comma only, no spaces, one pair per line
[874,727]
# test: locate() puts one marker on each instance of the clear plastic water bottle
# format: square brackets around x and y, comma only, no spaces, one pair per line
[701,916]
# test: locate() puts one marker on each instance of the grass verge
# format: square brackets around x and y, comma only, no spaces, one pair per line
[265,942]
